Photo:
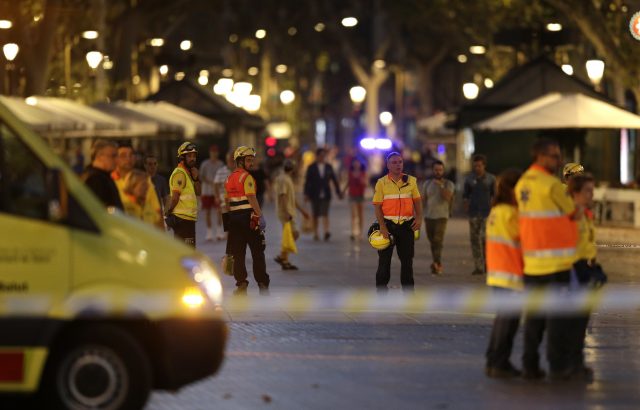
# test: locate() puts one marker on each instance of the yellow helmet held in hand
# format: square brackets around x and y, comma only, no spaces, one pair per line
[379,242]
[243,151]
[570,169]
[187,148]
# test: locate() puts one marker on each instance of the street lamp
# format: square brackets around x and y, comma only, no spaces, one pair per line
[357,94]
[252,103]
[185,45]
[470,90]
[242,88]
[287,97]
[349,22]
[568,69]
[595,71]
[93,59]
[10,51]
[386,118]
[5,24]
[90,34]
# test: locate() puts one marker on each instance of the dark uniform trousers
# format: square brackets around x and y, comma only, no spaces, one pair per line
[505,327]
[404,242]
[559,328]
[241,235]
[185,230]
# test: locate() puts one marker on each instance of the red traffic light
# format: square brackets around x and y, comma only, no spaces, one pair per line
[270,141]
[271,152]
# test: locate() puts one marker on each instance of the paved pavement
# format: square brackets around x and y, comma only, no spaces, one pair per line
[289,360]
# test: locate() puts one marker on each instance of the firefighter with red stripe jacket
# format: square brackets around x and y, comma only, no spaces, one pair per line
[244,222]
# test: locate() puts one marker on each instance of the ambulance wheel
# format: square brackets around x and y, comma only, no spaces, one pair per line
[99,367]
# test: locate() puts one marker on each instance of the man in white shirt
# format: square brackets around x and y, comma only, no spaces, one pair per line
[218,188]
[209,200]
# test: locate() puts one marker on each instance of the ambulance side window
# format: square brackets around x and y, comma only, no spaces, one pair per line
[23,189]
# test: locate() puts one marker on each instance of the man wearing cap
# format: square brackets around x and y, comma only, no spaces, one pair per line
[207,173]
[182,211]
[398,209]
[245,220]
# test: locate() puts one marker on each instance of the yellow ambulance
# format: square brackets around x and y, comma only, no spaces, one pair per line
[96,309]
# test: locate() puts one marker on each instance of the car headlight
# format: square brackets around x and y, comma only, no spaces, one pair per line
[205,275]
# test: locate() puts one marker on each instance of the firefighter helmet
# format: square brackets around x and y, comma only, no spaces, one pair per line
[379,242]
[243,151]
[570,169]
[186,148]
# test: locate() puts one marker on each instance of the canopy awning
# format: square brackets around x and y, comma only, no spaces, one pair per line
[562,110]
[39,119]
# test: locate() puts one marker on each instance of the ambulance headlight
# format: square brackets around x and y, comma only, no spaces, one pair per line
[205,276]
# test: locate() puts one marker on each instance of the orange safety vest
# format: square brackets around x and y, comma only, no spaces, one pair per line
[397,197]
[503,250]
[237,199]
[548,234]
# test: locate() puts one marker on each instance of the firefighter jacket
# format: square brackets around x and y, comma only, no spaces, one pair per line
[397,197]
[548,233]
[239,185]
[180,181]
[503,251]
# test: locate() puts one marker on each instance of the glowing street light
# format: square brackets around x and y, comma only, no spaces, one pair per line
[379,64]
[287,97]
[386,118]
[478,50]
[319,27]
[462,58]
[281,68]
[488,83]
[156,42]
[554,27]
[253,71]
[242,88]
[261,33]
[252,103]
[90,34]
[470,91]
[185,45]
[349,22]
[595,71]
[164,69]
[5,24]
[203,80]
[568,69]
[357,94]
[10,51]
[93,59]
[223,86]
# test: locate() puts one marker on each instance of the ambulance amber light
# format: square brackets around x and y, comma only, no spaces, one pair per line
[193,298]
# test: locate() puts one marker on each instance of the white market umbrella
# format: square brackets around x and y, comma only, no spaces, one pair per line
[562,110]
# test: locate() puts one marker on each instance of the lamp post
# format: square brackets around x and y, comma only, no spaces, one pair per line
[10,51]
[595,72]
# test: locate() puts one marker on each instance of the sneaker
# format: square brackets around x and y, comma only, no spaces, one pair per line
[508,372]
[288,266]
[279,260]
[263,289]
[533,374]
[327,235]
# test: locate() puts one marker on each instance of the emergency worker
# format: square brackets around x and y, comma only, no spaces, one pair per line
[549,236]
[398,209]
[504,272]
[570,169]
[245,218]
[182,211]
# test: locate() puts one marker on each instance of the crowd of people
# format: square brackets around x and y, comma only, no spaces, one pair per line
[527,230]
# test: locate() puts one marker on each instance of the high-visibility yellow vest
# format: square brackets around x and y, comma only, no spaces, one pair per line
[397,197]
[548,234]
[503,250]
[187,207]
[587,242]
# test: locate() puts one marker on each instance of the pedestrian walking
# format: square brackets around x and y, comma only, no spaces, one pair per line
[437,194]
[317,190]
[398,210]
[97,175]
[286,205]
[245,218]
[125,161]
[136,188]
[477,194]
[160,183]
[549,236]
[504,273]
[586,271]
[182,211]
[355,187]
[210,202]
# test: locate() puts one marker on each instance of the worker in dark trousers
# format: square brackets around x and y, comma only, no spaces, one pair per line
[245,224]
[182,212]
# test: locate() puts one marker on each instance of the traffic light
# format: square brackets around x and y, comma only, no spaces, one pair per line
[271,143]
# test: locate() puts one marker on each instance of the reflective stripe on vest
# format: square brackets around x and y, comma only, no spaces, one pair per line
[505,280]
[187,207]
[237,199]
[547,233]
